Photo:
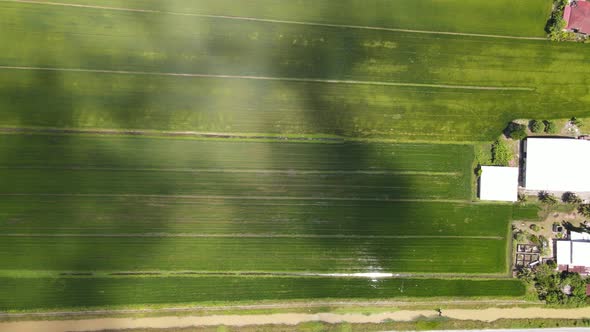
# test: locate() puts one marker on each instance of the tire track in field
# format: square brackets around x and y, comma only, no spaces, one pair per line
[269,78]
[236,171]
[265,20]
[222,197]
[262,236]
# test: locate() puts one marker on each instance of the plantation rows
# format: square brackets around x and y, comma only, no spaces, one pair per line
[120,253]
[476,16]
[59,293]
[137,215]
[167,43]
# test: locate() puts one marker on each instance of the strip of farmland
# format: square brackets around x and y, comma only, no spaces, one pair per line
[337,255]
[80,38]
[333,195]
[67,293]
[239,217]
[122,166]
[523,18]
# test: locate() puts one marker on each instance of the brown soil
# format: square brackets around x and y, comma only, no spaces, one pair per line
[486,315]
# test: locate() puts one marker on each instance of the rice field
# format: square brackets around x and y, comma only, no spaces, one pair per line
[113,292]
[270,77]
[90,220]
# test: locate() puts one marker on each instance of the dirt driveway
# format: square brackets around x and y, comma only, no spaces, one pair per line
[487,315]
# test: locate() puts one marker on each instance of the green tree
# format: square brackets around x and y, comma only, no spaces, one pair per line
[547,198]
[550,127]
[571,198]
[516,131]
[537,126]
[584,210]
[501,153]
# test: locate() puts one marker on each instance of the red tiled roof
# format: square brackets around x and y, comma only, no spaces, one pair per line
[577,16]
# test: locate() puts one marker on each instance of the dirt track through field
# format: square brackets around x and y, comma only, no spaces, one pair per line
[487,315]
[254,19]
[268,78]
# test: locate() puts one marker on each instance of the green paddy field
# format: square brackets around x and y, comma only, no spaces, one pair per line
[292,145]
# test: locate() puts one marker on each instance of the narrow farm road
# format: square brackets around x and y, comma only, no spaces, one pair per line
[487,315]
[268,78]
[254,19]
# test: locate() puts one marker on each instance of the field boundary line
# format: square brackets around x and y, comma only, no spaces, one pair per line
[148,133]
[229,170]
[279,305]
[269,78]
[268,20]
[314,236]
[221,197]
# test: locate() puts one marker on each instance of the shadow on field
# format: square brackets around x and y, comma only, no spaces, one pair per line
[61,182]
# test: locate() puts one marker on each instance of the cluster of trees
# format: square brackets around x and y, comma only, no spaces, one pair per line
[572,198]
[544,126]
[556,23]
[516,131]
[557,288]
[501,153]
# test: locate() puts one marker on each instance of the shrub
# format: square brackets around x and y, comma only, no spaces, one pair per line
[501,153]
[547,198]
[571,198]
[576,122]
[535,227]
[584,210]
[520,237]
[550,127]
[537,126]
[516,131]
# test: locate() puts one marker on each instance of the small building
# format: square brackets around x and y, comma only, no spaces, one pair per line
[498,184]
[557,165]
[577,16]
[573,254]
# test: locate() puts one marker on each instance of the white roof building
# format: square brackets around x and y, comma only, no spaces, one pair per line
[574,254]
[557,164]
[498,184]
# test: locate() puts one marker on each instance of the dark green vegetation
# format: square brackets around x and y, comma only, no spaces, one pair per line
[166,43]
[556,288]
[501,153]
[60,293]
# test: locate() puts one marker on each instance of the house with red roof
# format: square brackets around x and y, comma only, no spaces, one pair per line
[577,16]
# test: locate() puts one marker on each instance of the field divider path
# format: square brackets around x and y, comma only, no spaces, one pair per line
[266,20]
[313,236]
[268,78]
